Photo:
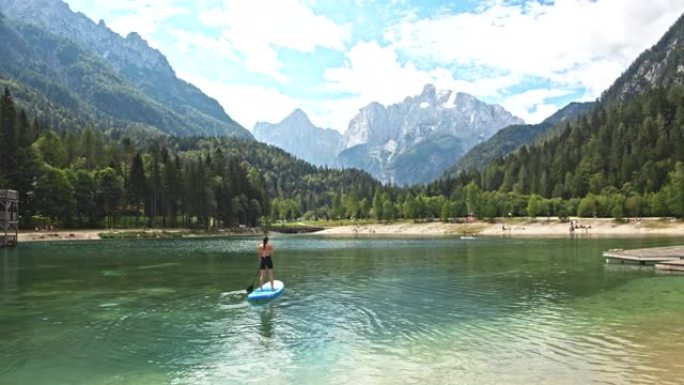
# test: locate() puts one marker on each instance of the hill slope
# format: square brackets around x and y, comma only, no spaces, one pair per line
[512,137]
[114,82]
[630,143]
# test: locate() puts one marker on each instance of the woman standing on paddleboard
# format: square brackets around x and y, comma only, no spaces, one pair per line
[265,254]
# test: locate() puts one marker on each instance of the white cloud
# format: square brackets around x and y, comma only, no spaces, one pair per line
[496,49]
[374,73]
[530,105]
[125,16]
[584,42]
[257,29]
[246,104]
[213,47]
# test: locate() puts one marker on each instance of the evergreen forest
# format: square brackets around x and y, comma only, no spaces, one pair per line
[619,161]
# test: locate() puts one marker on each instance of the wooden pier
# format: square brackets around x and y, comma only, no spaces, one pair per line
[673,265]
[9,217]
[669,258]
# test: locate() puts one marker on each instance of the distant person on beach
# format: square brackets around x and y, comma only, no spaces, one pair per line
[265,255]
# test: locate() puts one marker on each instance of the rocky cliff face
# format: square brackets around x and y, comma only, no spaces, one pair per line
[659,66]
[56,17]
[134,61]
[298,136]
[416,140]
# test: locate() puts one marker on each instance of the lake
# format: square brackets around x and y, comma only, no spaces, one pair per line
[355,311]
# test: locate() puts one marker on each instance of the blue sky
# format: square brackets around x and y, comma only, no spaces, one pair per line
[261,59]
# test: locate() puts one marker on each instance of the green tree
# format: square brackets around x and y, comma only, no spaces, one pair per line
[377,205]
[388,209]
[8,132]
[472,198]
[85,194]
[110,194]
[136,188]
[51,149]
[54,195]
[675,190]
[534,205]
[588,206]
[410,207]
[616,204]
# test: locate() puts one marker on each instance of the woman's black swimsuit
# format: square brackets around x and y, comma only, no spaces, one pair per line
[266,262]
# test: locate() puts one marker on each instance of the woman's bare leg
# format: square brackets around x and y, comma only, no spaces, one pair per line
[270,274]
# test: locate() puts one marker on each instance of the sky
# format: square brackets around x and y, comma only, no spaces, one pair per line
[261,59]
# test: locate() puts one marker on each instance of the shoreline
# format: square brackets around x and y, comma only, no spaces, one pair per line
[100,234]
[516,227]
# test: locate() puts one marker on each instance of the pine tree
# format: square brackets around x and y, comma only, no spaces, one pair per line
[137,186]
[8,133]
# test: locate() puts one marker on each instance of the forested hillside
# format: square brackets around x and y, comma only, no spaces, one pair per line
[508,139]
[74,167]
[49,75]
[86,178]
[622,160]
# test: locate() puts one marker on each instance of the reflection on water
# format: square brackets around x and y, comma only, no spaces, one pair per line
[266,326]
[356,311]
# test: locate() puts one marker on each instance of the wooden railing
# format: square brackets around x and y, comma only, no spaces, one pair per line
[9,194]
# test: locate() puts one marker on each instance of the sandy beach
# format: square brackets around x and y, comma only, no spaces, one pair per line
[515,227]
[59,235]
[519,227]
[97,234]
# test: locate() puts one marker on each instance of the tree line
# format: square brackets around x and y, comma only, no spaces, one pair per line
[86,179]
[615,162]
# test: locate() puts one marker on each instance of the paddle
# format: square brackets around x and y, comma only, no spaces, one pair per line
[251,286]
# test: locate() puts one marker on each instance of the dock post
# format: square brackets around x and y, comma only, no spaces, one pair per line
[9,217]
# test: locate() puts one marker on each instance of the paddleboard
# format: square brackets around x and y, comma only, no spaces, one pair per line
[265,292]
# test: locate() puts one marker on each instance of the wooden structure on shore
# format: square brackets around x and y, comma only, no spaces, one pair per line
[673,265]
[9,217]
[663,258]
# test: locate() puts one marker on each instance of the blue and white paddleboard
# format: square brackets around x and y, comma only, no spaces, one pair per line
[265,292]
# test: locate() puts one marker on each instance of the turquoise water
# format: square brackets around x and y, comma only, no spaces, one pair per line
[355,311]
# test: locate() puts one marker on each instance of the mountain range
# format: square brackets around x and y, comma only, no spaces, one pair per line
[414,141]
[75,64]
[406,143]
[72,72]
[298,136]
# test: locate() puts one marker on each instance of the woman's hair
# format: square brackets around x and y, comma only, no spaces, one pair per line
[265,240]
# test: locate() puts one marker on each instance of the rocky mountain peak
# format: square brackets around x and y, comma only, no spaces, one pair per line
[396,136]
[299,117]
[298,136]
[125,63]
[429,92]
[659,66]
[56,17]
[135,37]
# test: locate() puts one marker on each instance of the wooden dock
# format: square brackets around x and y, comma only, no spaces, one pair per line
[9,217]
[673,265]
[648,256]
